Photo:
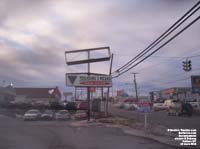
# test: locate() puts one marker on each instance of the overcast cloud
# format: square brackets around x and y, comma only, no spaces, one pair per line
[35,34]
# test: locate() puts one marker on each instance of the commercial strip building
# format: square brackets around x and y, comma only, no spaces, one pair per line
[181,93]
[43,96]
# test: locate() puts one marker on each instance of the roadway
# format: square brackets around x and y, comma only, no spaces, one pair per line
[17,134]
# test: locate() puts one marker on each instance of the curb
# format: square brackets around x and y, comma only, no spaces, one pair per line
[161,139]
[167,140]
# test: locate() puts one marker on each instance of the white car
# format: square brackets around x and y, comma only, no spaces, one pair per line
[128,106]
[159,106]
[32,114]
[119,105]
[134,106]
[195,105]
[47,115]
[62,115]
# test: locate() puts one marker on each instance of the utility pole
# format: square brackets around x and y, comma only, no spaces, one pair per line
[135,83]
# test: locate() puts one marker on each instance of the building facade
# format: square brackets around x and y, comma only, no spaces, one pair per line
[176,93]
[7,94]
[43,96]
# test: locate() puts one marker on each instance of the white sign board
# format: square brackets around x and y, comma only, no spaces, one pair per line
[83,80]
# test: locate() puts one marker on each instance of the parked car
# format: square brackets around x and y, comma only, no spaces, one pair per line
[173,107]
[168,102]
[80,115]
[47,115]
[71,106]
[159,106]
[32,114]
[187,109]
[134,106]
[62,115]
[130,106]
[83,105]
[119,105]
[127,106]
[194,104]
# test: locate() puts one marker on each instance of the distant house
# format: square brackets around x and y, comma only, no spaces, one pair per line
[43,96]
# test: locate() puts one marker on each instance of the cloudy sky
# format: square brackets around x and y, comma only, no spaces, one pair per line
[35,34]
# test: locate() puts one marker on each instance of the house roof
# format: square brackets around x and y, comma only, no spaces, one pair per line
[38,92]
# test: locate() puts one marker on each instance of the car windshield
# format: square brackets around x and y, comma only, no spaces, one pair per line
[80,112]
[48,112]
[33,111]
[63,112]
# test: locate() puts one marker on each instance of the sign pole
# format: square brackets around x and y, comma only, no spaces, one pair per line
[109,87]
[75,94]
[88,89]
[145,120]
[90,80]
[102,102]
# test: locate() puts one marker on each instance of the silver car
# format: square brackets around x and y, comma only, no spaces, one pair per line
[32,114]
[62,115]
[47,115]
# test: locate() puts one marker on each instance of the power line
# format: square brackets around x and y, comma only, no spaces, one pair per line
[158,56]
[177,56]
[169,82]
[173,37]
[160,38]
[164,73]
[146,51]
[164,83]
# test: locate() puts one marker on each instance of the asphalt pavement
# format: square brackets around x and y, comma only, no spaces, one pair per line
[161,118]
[18,134]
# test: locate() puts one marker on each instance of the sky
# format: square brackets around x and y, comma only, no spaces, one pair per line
[35,34]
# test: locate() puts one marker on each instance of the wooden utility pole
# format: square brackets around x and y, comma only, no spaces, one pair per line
[135,83]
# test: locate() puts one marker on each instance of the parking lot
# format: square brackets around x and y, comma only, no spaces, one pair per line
[161,118]
[45,115]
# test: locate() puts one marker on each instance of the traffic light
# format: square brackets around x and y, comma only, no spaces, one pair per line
[187,65]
